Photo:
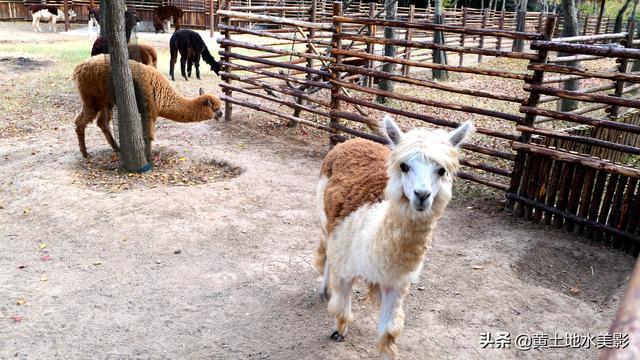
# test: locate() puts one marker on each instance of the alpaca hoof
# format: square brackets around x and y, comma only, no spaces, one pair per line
[336,336]
[324,294]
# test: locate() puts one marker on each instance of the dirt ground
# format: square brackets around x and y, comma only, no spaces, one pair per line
[222,269]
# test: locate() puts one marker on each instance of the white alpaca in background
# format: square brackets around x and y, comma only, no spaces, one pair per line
[378,209]
[93,28]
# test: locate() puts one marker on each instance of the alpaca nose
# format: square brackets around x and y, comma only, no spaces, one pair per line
[422,195]
[218,114]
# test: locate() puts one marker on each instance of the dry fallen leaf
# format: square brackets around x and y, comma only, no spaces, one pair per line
[25,211]
[43,245]
[575,290]
[44,278]
[21,301]
[477,267]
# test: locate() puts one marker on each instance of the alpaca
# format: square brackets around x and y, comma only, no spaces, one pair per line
[92,80]
[191,46]
[164,13]
[95,14]
[378,208]
[93,26]
[101,46]
[50,14]
[141,53]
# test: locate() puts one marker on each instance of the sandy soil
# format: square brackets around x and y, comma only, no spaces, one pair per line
[223,270]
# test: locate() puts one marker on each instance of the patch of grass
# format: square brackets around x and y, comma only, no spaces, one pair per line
[68,54]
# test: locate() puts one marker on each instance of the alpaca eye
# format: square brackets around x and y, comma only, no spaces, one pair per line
[404,167]
[441,172]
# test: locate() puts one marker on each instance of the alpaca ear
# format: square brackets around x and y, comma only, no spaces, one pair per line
[208,103]
[201,92]
[459,135]
[391,131]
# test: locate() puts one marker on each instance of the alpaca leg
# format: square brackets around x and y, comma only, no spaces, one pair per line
[84,117]
[183,63]
[340,306]
[52,24]
[196,63]
[152,127]
[172,63]
[103,124]
[391,322]
[324,293]
[189,66]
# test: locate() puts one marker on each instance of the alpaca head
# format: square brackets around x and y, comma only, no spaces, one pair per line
[421,166]
[72,15]
[213,105]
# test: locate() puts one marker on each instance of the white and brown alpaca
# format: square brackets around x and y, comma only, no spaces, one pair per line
[378,208]
[50,14]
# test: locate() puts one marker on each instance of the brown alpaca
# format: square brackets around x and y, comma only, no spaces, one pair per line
[91,78]
[166,12]
[143,53]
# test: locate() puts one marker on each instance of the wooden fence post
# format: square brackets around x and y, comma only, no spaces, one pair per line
[228,109]
[408,36]
[66,15]
[518,181]
[211,18]
[586,24]
[464,24]
[500,27]
[336,43]
[628,43]
[483,25]
[371,31]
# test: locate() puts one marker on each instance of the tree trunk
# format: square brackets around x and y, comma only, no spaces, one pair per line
[103,23]
[391,7]
[570,28]
[599,22]
[439,56]
[132,148]
[617,27]
[521,17]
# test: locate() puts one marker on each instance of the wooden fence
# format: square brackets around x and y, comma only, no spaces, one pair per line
[583,182]
[197,13]
[324,75]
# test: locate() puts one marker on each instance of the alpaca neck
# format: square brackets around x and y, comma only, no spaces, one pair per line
[404,238]
[184,110]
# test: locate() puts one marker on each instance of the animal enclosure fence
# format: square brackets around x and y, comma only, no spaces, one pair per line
[327,75]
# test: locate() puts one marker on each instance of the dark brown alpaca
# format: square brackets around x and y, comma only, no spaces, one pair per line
[166,12]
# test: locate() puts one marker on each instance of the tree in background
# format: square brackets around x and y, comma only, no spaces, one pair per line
[521,17]
[132,147]
[571,27]
[391,7]
[439,56]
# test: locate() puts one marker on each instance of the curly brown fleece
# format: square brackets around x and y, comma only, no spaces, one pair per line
[91,77]
[143,53]
[346,192]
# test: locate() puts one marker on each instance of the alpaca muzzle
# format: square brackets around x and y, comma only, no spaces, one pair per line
[218,114]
